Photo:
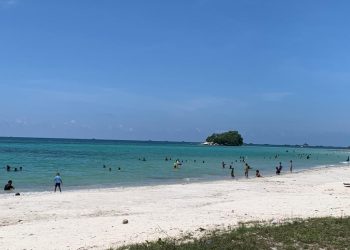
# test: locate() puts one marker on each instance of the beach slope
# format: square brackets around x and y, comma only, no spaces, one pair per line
[92,219]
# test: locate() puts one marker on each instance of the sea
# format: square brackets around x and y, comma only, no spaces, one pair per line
[85,164]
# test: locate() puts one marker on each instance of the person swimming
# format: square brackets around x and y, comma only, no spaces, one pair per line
[9,186]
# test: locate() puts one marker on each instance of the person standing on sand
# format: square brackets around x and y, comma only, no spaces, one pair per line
[291,166]
[58,182]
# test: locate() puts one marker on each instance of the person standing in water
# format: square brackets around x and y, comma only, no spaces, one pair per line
[291,166]
[246,169]
[58,182]
[232,172]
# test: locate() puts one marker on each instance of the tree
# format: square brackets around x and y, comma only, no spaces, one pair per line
[230,138]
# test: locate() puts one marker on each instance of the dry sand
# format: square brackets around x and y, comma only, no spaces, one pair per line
[92,219]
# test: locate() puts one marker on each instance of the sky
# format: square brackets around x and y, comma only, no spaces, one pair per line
[276,71]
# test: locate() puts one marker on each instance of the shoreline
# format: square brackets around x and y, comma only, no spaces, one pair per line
[92,218]
[182,181]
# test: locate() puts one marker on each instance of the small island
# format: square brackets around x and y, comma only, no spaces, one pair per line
[230,138]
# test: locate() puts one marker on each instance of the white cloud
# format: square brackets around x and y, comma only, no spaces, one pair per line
[71,122]
[21,122]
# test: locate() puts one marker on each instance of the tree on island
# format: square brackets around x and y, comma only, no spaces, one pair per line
[230,138]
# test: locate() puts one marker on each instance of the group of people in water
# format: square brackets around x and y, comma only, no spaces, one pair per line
[177,164]
[9,186]
[110,169]
[9,168]
[247,167]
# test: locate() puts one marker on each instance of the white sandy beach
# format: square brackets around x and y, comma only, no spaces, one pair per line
[92,219]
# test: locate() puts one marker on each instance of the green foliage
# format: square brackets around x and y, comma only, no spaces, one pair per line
[317,233]
[230,138]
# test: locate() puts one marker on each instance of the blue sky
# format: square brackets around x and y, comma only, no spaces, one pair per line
[277,71]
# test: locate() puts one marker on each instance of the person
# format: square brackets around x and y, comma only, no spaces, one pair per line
[232,172]
[223,164]
[246,169]
[58,182]
[8,168]
[291,166]
[348,159]
[278,169]
[9,186]
[257,173]
[20,168]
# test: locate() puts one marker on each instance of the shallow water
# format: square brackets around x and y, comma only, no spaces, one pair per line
[80,162]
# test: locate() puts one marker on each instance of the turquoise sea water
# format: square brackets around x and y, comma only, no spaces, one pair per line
[80,162]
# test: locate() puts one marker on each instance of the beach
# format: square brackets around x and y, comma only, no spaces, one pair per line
[92,219]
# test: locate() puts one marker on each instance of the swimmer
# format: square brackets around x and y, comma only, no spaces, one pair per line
[9,186]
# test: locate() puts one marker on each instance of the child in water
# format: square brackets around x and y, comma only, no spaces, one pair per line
[257,173]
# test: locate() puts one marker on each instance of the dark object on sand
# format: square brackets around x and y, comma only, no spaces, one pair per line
[125,221]
[17,194]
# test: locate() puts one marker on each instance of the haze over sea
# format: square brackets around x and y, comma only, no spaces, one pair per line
[80,162]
